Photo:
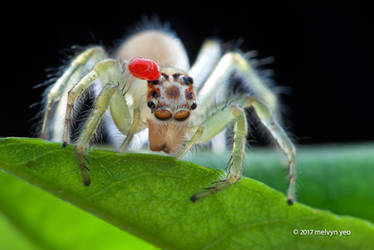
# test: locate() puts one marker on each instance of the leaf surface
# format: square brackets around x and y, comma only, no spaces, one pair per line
[148,196]
[338,178]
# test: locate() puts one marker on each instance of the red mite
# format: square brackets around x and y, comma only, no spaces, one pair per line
[144,68]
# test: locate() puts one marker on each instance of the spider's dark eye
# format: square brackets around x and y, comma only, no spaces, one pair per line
[193,106]
[188,80]
[155,82]
[151,105]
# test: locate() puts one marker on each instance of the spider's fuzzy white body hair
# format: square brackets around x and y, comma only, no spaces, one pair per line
[163,48]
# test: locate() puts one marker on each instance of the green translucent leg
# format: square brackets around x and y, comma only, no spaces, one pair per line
[230,113]
[72,74]
[262,91]
[218,81]
[266,117]
[91,125]
[205,62]
[107,70]
[132,131]
[222,117]
[283,141]
[198,133]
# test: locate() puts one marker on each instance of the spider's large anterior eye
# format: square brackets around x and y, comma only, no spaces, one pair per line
[163,114]
[181,115]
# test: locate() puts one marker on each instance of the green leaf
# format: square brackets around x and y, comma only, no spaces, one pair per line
[11,238]
[31,218]
[337,178]
[148,196]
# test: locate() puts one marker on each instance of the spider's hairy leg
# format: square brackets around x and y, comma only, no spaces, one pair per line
[196,136]
[217,87]
[267,119]
[83,62]
[107,70]
[207,59]
[90,127]
[213,125]
[218,82]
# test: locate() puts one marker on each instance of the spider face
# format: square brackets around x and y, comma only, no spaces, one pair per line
[171,97]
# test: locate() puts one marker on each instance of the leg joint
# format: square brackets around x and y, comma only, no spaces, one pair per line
[236,110]
[105,65]
[97,52]
[72,95]
[237,59]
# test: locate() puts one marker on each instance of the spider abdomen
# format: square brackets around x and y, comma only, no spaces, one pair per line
[162,47]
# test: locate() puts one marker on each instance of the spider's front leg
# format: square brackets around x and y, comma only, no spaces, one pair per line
[279,135]
[265,104]
[108,71]
[212,126]
[220,119]
[90,127]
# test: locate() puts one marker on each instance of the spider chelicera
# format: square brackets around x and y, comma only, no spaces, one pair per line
[148,85]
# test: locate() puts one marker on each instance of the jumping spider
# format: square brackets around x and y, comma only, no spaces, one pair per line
[149,84]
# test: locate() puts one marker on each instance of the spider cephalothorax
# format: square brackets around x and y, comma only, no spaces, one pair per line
[171,98]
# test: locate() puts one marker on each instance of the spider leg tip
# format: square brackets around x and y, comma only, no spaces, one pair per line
[86,182]
[290,201]
[193,198]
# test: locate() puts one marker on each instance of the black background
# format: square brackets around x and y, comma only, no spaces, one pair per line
[322,54]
